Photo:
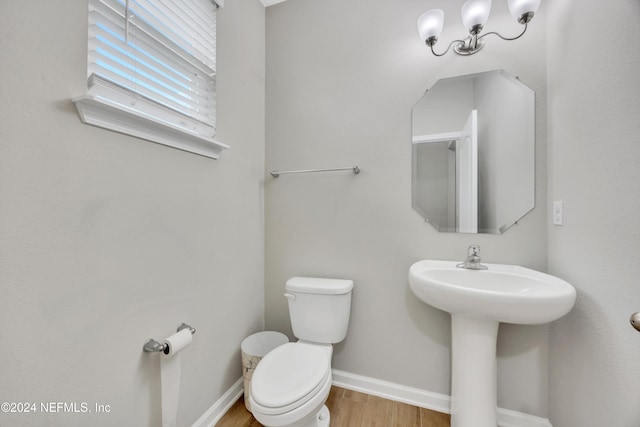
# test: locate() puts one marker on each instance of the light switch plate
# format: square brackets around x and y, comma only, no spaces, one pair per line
[557,213]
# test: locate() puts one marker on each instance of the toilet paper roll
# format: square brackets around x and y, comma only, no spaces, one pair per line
[170,375]
[176,342]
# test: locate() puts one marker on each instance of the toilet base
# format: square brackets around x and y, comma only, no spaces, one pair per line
[321,419]
[324,417]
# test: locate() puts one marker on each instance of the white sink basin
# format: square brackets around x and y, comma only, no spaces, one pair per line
[505,293]
[478,301]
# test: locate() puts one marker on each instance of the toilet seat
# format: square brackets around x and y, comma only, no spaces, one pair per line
[289,376]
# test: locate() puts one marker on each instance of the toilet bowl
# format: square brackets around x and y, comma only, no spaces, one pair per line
[292,386]
[292,382]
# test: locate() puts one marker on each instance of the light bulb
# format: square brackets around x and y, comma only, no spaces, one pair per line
[430,25]
[475,14]
[523,10]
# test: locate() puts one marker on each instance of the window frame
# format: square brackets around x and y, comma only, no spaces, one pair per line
[110,106]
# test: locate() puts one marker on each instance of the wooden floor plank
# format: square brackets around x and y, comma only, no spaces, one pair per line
[350,413]
[355,396]
[378,412]
[405,415]
[434,419]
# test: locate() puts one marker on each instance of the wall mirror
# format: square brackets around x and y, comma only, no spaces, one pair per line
[473,153]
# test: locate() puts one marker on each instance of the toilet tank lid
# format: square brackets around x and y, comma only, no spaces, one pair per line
[317,285]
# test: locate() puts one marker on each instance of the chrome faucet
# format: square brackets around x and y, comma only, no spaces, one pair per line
[473,259]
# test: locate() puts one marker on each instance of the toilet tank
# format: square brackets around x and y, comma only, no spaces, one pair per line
[319,308]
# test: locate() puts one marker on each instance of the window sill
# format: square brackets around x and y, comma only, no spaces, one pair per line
[97,110]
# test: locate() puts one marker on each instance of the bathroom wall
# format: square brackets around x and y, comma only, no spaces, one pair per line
[594,153]
[342,76]
[108,240]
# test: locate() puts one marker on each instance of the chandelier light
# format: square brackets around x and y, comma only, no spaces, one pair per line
[475,14]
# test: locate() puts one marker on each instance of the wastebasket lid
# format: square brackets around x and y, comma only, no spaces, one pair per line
[261,343]
[290,375]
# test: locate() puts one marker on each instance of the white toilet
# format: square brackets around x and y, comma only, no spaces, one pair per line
[292,382]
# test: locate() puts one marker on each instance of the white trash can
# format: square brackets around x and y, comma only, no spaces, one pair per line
[254,348]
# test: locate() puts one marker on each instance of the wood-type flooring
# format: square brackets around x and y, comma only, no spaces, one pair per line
[353,409]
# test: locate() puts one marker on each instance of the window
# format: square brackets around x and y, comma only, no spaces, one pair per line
[152,72]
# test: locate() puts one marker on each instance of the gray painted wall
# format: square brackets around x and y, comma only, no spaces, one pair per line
[342,76]
[107,240]
[594,153]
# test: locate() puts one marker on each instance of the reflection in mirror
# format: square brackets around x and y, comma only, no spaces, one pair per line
[473,152]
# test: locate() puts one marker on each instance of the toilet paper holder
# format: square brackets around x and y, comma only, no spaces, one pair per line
[153,346]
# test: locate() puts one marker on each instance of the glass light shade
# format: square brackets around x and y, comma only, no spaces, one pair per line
[430,24]
[520,7]
[475,12]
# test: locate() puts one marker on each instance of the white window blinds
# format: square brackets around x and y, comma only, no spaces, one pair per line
[156,60]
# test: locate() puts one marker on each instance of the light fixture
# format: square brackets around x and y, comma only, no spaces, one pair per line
[474,17]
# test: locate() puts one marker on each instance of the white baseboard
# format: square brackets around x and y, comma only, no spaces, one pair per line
[425,399]
[509,418]
[221,406]
[388,390]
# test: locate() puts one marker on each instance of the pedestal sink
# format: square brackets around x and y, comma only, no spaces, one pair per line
[478,301]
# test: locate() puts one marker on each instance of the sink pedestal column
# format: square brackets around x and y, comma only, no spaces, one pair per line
[473,372]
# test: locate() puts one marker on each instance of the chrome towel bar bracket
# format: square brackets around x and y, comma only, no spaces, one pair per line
[354,169]
[153,346]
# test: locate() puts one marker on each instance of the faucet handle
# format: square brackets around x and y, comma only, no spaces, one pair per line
[474,250]
[473,259]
